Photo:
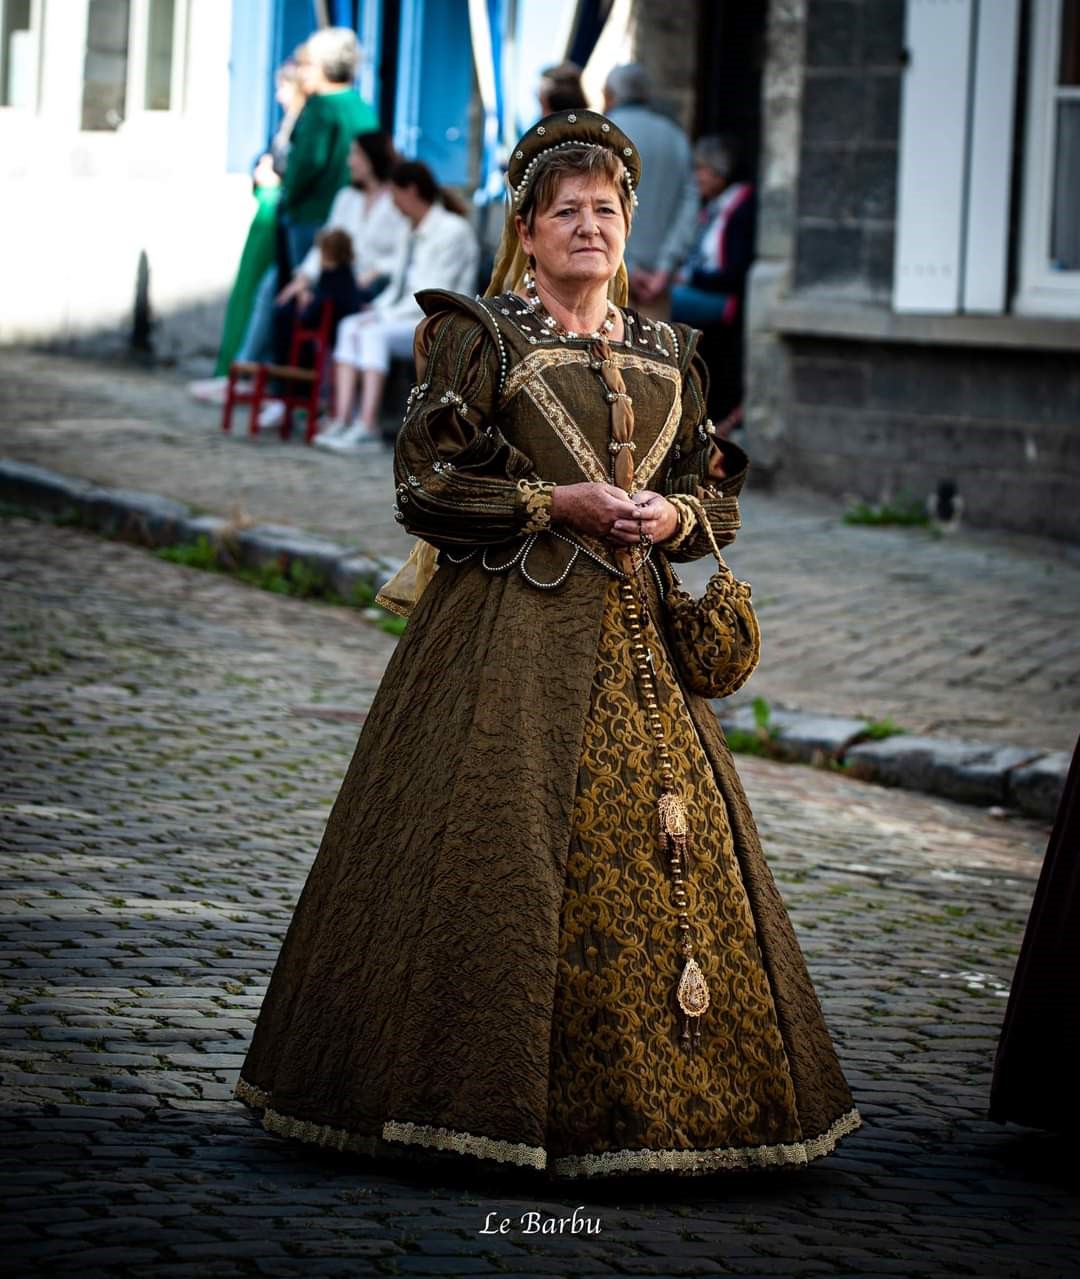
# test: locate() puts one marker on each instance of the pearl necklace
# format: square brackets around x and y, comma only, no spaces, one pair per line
[548,321]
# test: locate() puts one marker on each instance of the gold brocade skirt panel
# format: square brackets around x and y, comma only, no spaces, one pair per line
[620,1080]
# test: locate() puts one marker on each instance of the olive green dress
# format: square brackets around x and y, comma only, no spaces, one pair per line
[483,960]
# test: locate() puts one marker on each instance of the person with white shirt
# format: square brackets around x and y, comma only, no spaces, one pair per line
[440,252]
[365,210]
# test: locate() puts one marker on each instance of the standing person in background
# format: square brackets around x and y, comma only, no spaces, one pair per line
[440,252]
[666,218]
[319,157]
[560,88]
[260,248]
[1035,1071]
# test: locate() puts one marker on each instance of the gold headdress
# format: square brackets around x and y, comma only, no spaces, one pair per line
[577,128]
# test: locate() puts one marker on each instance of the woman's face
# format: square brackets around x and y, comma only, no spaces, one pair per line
[580,236]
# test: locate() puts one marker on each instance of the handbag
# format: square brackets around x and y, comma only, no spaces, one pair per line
[715,641]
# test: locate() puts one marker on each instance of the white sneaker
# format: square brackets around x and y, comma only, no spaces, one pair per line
[210,390]
[334,428]
[271,414]
[352,440]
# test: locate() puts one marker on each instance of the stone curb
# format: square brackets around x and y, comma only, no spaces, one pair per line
[155,521]
[974,772]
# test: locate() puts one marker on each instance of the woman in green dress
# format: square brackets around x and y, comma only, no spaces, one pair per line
[489,957]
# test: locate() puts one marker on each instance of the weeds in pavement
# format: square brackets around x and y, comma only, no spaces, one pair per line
[903,509]
[761,739]
[878,729]
[283,576]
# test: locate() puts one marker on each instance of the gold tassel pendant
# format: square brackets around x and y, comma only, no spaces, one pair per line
[692,992]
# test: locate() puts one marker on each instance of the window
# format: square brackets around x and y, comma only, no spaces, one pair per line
[133,60]
[159,55]
[20,27]
[1050,258]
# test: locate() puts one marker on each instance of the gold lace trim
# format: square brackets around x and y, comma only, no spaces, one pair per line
[466,1143]
[528,373]
[661,446]
[682,1162]
[689,1162]
[567,430]
[538,362]
[537,497]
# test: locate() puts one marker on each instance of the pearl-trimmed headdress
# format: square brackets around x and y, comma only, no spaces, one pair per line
[563,129]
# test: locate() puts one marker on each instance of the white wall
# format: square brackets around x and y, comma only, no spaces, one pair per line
[80,207]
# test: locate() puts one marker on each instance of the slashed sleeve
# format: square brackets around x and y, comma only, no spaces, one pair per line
[459,481]
[701,465]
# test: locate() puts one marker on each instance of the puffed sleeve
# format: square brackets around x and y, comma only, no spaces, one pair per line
[459,481]
[701,465]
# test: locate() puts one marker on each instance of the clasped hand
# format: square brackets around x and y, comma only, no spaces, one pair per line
[605,511]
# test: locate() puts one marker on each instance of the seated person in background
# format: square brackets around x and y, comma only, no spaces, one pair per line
[440,252]
[710,285]
[365,210]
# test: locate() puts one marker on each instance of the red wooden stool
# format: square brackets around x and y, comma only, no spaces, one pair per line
[301,387]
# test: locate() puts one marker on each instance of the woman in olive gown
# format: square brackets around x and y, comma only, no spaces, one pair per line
[490,957]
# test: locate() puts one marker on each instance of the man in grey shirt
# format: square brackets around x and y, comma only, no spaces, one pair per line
[665,221]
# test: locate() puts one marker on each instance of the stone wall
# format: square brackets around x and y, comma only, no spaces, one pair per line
[845,397]
[879,420]
[850,127]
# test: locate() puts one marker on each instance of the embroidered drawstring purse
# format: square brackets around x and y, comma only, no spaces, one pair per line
[715,640]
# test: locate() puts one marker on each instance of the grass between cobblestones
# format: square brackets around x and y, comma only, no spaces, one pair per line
[284,577]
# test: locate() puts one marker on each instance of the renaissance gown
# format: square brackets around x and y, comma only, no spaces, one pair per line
[484,957]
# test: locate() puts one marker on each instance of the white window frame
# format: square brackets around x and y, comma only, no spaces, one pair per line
[37,20]
[138,35]
[1042,290]
[136,112]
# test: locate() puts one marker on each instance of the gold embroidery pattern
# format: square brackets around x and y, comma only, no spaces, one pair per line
[567,430]
[618,1078]
[536,495]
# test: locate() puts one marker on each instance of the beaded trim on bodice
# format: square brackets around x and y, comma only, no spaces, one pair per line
[653,338]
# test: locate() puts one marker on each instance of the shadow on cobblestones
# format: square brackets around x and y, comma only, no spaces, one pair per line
[172,742]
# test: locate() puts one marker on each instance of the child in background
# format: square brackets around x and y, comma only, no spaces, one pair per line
[336,283]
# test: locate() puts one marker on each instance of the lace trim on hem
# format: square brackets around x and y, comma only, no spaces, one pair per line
[792,1154]
[465,1143]
[612,1162]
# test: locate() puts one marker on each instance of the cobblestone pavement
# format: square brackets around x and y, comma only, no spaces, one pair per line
[172,741]
[970,636]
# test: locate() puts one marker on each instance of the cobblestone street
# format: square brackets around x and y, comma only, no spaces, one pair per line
[172,741]
[971,636]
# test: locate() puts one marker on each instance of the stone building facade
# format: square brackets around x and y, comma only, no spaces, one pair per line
[914,312]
